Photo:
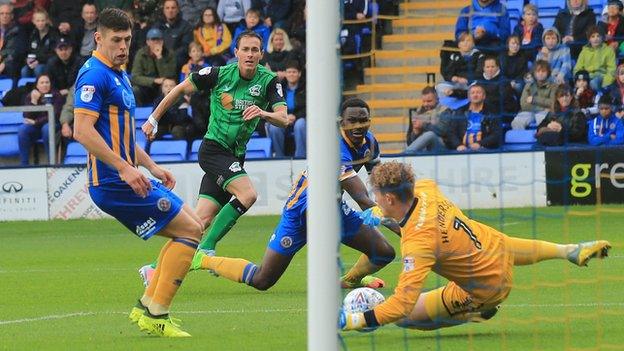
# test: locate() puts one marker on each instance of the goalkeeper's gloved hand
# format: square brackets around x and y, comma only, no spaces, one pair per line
[372,216]
[352,321]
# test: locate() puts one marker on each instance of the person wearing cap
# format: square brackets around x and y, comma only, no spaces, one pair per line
[583,93]
[63,66]
[598,59]
[152,64]
[613,26]
[606,128]
[557,55]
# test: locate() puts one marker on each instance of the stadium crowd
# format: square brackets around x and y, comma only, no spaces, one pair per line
[564,85]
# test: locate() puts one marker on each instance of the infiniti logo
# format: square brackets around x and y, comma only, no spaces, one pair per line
[12,187]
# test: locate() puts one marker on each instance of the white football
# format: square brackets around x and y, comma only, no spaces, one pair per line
[362,300]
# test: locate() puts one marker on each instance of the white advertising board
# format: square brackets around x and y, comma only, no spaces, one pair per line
[23,194]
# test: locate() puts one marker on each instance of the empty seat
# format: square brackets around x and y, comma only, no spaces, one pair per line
[10,121]
[258,148]
[141,114]
[168,150]
[9,145]
[195,149]
[76,154]
[519,139]
[5,85]
[23,81]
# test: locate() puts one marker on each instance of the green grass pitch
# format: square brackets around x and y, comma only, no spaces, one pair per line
[69,286]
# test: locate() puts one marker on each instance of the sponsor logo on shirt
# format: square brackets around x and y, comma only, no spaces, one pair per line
[86,94]
[128,99]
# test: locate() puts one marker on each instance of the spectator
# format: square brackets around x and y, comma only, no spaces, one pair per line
[36,123]
[613,26]
[253,23]
[278,52]
[538,97]
[297,26]
[41,41]
[606,128]
[530,31]
[355,9]
[232,12]
[572,21]
[425,131]
[65,15]
[152,64]
[190,9]
[12,43]
[63,67]
[463,68]
[275,12]
[178,33]
[514,65]
[296,103]
[473,127]
[196,61]
[118,4]
[487,21]
[25,9]
[175,120]
[616,91]
[148,12]
[557,55]
[565,124]
[139,34]
[499,95]
[85,34]
[583,93]
[67,117]
[598,59]
[215,37]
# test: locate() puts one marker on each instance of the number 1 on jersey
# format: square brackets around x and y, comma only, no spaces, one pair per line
[458,223]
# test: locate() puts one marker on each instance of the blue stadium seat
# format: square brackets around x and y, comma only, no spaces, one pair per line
[258,148]
[168,150]
[10,121]
[23,81]
[140,139]
[10,144]
[547,21]
[519,139]
[516,5]
[194,149]
[140,115]
[5,85]
[76,154]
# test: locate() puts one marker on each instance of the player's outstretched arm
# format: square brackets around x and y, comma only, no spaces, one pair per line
[85,133]
[151,126]
[277,118]
[165,176]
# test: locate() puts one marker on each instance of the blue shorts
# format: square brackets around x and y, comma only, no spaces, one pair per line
[291,235]
[143,216]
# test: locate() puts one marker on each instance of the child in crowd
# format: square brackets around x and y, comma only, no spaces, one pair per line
[463,68]
[583,93]
[613,25]
[530,30]
[252,22]
[557,55]
[537,98]
[196,60]
[514,65]
[598,59]
[606,128]
[175,120]
[616,91]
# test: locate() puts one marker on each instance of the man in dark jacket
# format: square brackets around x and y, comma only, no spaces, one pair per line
[487,21]
[63,66]
[178,33]
[12,48]
[152,64]
[84,39]
[572,22]
[65,15]
[275,12]
[473,127]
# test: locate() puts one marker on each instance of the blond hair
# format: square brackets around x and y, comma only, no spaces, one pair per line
[279,31]
[394,177]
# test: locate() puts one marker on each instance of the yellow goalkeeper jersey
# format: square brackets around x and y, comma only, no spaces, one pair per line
[437,236]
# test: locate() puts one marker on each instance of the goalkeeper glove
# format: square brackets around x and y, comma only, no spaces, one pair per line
[352,321]
[372,216]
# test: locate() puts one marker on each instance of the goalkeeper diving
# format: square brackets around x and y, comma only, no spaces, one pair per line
[436,236]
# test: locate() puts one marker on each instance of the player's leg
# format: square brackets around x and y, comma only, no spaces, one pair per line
[376,250]
[527,251]
[244,197]
[446,306]
[212,200]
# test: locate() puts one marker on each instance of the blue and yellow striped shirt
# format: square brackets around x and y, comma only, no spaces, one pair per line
[106,94]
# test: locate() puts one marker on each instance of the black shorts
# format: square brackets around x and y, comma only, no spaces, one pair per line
[221,167]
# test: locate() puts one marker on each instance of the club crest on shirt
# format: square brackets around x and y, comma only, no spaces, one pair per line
[163,204]
[286,242]
[86,94]
[255,90]
[408,264]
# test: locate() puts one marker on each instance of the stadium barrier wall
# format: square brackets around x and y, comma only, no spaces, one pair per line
[484,180]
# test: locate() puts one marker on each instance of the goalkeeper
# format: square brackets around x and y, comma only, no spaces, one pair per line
[436,236]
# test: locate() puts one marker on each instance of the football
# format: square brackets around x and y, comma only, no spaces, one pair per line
[362,300]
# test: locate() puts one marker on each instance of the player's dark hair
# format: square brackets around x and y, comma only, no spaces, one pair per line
[353,102]
[114,19]
[249,34]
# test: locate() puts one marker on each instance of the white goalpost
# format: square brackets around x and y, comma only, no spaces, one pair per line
[323,99]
